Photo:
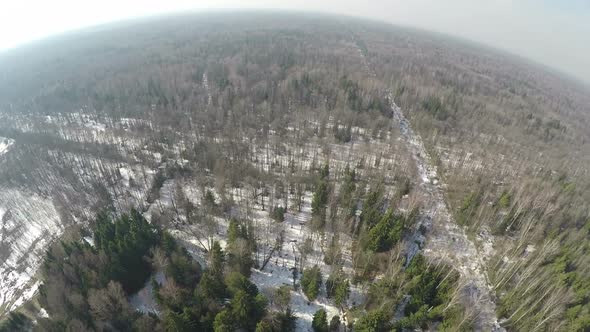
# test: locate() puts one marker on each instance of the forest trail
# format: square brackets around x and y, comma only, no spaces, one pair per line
[206,85]
[445,240]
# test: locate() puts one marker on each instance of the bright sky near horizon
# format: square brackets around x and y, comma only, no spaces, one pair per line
[552,32]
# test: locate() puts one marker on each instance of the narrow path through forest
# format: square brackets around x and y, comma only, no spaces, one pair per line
[445,239]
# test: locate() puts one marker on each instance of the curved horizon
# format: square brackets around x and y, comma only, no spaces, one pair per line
[146,18]
[546,32]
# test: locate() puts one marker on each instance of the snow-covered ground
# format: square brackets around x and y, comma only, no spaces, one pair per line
[32,217]
[279,269]
[5,144]
[28,223]
[35,224]
[144,301]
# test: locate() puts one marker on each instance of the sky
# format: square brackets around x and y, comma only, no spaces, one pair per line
[551,32]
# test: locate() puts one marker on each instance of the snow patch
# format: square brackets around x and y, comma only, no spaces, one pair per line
[89,240]
[43,313]
[29,223]
[144,301]
[124,171]
[5,144]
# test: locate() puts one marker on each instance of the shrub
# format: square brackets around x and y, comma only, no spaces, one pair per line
[278,214]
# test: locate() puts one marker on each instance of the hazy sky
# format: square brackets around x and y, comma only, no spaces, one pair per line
[553,32]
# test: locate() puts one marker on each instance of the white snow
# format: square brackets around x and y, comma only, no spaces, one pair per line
[5,144]
[43,313]
[89,240]
[27,294]
[278,271]
[144,301]
[30,223]
[124,171]
[530,249]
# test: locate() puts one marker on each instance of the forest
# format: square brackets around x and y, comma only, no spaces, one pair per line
[289,172]
[87,284]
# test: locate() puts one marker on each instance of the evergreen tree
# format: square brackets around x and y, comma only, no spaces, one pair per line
[236,282]
[233,231]
[338,289]
[278,214]
[247,310]
[240,246]
[386,233]
[335,324]
[348,187]
[325,172]
[209,200]
[288,321]
[178,322]
[183,269]
[224,321]
[311,282]
[242,307]
[264,326]
[211,287]
[216,259]
[122,241]
[374,321]
[16,321]
[342,293]
[372,208]
[320,321]
[320,198]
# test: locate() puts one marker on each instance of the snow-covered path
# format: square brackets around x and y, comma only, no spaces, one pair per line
[206,85]
[445,239]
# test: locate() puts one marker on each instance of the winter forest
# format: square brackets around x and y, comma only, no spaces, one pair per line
[287,172]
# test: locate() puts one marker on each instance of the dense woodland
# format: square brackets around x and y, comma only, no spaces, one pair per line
[239,142]
[86,284]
